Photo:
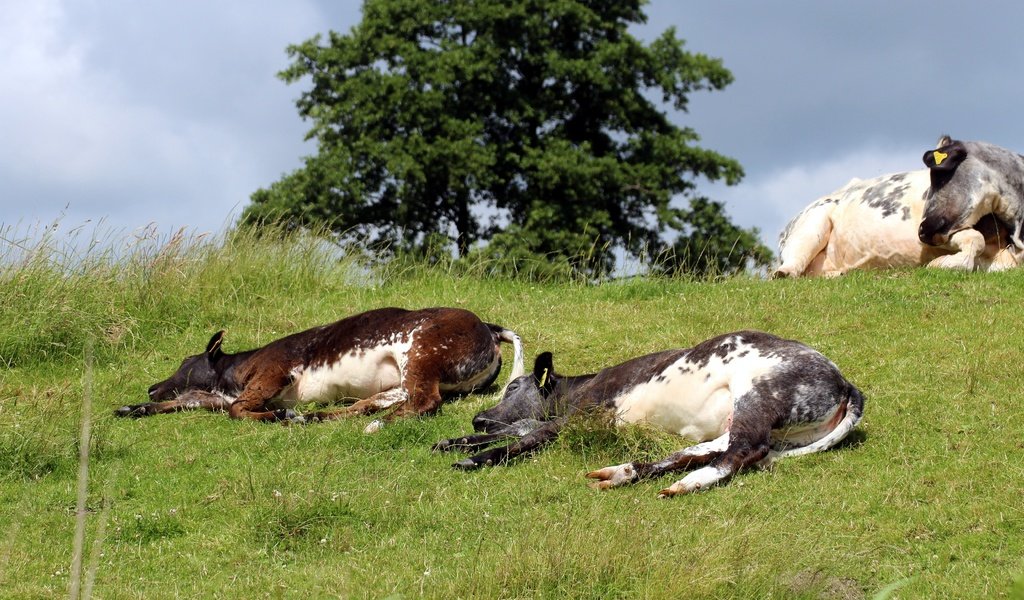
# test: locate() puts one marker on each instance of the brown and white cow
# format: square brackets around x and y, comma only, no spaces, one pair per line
[380,358]
[749,397]
[873,224]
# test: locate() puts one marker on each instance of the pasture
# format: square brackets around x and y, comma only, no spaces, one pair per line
[924,500]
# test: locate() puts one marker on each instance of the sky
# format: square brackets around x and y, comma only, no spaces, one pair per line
[129,116]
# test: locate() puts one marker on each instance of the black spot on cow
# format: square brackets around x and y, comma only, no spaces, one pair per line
[721,347]
[885,196]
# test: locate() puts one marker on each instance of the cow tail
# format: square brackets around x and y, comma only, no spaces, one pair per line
[518,358]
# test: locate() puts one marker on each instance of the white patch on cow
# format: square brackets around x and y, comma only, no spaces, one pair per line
[696,403]
[700,479]
[719,444]
[374,426]
[357,374]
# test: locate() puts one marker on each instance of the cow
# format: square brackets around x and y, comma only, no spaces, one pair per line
[970,182]
[748,398]
[380,358]
[873,224]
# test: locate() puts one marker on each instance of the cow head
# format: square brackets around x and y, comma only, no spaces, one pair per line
[195,373]
[970,180]
[526,397]
[950,202]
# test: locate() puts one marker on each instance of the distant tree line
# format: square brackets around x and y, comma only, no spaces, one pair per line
[506,132]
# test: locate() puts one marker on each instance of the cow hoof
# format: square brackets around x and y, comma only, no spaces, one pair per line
[957,262]
[132,410]
[442,446]
[613,476]
[374,426]
[466,464]
[679,488]
[290,417]
[670,491]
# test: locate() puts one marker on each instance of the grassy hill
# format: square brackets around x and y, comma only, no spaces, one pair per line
[926,499]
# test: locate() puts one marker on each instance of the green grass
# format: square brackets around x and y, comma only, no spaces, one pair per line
[926,500]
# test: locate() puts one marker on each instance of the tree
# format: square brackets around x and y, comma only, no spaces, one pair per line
[528,123]
[712,244]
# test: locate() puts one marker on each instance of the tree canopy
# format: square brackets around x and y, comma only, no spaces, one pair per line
[533,125]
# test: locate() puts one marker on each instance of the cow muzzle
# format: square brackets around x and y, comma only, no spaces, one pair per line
[934,231]
[482,423]
[160,391]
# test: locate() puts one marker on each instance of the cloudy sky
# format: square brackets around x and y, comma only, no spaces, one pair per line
[128,113]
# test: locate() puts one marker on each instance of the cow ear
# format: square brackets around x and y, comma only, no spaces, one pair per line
[946,157]
[543,370]
[213,347]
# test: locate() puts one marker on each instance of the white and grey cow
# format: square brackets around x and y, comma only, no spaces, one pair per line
[969,182]
[874,223]
[749,397]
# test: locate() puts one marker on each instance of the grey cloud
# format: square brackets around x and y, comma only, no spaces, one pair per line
[171,111]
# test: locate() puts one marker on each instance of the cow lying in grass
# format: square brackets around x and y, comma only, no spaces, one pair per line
[874,224]
[748,397]
[381,358]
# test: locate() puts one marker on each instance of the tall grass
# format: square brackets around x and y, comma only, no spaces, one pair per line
[923,501]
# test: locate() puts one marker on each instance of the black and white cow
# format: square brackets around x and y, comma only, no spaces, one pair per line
[380,358]
[970,181]
[874,224]
[749,397]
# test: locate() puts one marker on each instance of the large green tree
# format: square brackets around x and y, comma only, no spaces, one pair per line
[532,124]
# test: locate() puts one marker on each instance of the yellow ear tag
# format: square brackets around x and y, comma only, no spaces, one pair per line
[939,157]
[543,378]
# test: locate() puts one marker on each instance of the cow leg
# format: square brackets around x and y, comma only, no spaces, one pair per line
[190,400]
[742,453]
[472,442]
[806,241]
[969,243]
[687,458]
[252,402]
[367,406]
[423,397]
[1003,260]
[528,443]
[377,402]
